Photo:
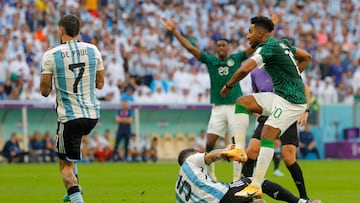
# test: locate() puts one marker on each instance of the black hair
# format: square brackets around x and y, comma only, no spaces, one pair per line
[223,39]
[184,154]
[71,24]
[264,22]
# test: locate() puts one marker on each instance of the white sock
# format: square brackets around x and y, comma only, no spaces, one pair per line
[263,161]
[239,131]
[236,171]
[302,201]
[75,169]
[76,198]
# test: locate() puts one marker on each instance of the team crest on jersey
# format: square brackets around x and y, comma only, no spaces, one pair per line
[230,62]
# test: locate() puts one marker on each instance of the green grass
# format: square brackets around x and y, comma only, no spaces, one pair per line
[333,181]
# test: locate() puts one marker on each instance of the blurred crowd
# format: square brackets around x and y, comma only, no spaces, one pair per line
[97,147]
[145,64]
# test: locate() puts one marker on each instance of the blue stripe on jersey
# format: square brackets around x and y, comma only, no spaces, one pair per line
[81,84]
[61,79]
[218,194]
[193,198]
[178,199]
[75,75]
[92,69]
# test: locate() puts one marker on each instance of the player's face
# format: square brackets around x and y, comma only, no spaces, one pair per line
[253,36]
[222,48]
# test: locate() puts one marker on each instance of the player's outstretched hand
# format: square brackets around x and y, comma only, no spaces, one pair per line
[275,17]
[168,24]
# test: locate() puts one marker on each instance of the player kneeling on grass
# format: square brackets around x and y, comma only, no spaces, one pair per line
[195,185]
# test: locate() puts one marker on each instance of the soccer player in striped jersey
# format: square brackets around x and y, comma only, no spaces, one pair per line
[77,69]
[283,106]
[194,184]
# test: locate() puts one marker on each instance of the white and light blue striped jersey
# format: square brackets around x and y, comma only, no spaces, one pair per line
[194,183]
[74,66]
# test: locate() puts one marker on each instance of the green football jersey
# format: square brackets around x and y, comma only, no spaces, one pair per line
[279,60]
[220,72]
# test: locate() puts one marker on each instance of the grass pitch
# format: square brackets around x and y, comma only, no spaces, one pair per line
[332,181]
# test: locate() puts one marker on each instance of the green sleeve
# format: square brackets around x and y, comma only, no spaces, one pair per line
[241,56]
[205,58]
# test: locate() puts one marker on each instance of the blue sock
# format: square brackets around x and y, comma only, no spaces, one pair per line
[76,198]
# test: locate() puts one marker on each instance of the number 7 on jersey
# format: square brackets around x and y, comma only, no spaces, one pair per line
[79,76]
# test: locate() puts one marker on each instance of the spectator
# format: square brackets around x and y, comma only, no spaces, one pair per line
[3,95]
[134,149]
[131,34]
[37,148]
[356,77]
[109,137]
[328,95]
[12,151]
[100,148]
[124,120]
[200,142]
[159,96]
[128,95]
[87,154]
[307,143]
[143,95]
[116,70]
[152,150]
[50,147]
[4,68]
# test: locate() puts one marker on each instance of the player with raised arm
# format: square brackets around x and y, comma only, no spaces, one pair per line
[220,69]
[77,69]
[283,106]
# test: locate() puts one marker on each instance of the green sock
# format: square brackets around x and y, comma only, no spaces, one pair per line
[239,108]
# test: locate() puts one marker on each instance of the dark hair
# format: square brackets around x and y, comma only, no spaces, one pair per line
[71,24]
[223,39]
[184,154]
[264,22]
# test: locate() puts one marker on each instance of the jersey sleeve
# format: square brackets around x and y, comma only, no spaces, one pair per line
[241,56]
[287,43]
[100,63]
[258,57]
[205,58]
[47,64]
[197,159]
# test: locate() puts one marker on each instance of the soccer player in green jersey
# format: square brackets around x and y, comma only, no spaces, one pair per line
[220,69]
[283,106]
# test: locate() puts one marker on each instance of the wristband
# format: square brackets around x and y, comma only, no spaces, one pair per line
[307,110]
[228,86]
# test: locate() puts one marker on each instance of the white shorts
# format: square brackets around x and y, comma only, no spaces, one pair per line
[223,117]
[282,114]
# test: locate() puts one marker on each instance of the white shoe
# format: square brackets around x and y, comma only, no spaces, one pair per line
[277,172]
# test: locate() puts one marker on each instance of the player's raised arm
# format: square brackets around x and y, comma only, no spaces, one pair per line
[303,58]
[170,26]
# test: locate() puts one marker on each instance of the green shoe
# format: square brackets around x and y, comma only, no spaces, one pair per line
[66,198]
